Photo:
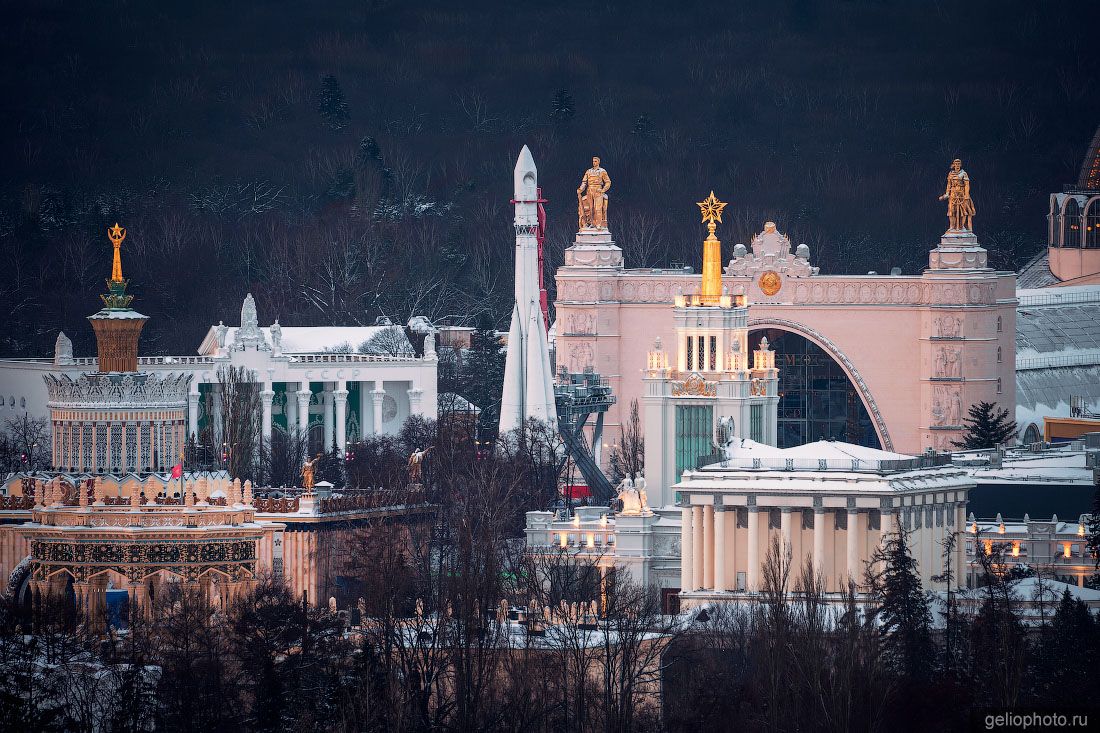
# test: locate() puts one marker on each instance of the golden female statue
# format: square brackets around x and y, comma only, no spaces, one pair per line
[960,209]
[307,473]
[592,197]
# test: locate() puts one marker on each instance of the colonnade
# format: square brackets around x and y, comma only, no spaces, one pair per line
[710,545]
[333,400]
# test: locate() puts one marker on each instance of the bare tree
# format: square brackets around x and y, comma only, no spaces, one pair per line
[239,394]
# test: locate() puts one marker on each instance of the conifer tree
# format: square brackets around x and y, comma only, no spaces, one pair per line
[332,104]
[987,427]
[906,618]
[481,377]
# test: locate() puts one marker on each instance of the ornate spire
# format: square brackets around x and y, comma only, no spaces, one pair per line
[711,209]
[116,297]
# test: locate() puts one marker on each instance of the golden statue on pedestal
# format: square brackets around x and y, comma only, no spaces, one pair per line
[592,197]
[307,473]
[960,209]
[116,234]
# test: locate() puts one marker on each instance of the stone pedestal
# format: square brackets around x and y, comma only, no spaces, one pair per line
[594,248]
[958,250]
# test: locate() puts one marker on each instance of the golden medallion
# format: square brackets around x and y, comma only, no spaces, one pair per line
[770,283]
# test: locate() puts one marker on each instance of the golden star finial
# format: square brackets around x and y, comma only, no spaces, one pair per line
[116,233]
[712,209]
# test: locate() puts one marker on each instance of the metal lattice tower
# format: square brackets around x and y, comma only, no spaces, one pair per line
[578,396]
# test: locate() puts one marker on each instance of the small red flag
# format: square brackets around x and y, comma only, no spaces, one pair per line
[177,470]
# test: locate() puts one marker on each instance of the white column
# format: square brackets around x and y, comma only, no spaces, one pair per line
[697,547]
[415,396]
[377,395]
[720,581]
[267,394]
[785,527]
[216,414]
[193,411]
[328,420]
[686,550]
[708,546]
[340,397]
[853,544]
[303,394]
[819,540]
[752,576]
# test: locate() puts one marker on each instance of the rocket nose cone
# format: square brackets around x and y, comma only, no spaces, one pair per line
[526,176]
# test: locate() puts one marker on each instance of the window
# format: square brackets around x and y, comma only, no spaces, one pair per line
[917,518]
[742,517]
[807,519]
[999,359]
[840,519]
[999,385]
[690,350]
[694,435]
[774,519]
[701,355]
[1031,435]
[969,547]
[874,520]
[741,580]
[756,423]
[939,516]
[1071,224]
[1092,224]
[712,357]
[1000,324]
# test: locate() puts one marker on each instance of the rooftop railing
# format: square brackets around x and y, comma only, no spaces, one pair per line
[827,464]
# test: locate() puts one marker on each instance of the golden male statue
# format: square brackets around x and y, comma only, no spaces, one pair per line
[960,209]
[592,197]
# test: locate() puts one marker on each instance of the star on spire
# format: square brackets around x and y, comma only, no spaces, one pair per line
[116,233]
[711,209]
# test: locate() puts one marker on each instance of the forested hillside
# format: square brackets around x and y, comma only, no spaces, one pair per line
[348,159]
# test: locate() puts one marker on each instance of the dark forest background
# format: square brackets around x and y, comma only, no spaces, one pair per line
[349,159]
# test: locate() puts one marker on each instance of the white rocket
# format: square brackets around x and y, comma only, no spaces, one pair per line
[528,379]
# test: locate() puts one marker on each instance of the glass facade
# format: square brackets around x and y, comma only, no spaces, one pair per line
[694,435]
[816,399]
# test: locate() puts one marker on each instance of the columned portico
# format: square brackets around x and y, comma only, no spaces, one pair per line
[834,516]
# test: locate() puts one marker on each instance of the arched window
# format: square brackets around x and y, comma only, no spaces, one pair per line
[998,385]
[1031,435]
[998,354]
[1092,223]
[1000,324]
[1071,224]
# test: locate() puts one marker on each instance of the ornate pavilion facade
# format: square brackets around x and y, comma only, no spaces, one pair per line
[108,519]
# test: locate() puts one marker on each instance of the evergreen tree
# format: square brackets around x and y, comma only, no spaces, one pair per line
[481,376]
[1070,642]
[986,427]
[906,618]
[562,107]
[1093,543]
[370,153]
[332,105]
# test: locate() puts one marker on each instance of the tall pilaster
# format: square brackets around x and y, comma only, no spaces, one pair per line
[328,419]
[819,540]
[687,552]
[698,548]
[752,576]
[720,581]
[852,541]
[708,546]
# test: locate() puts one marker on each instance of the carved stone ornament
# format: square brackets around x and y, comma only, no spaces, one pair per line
[694,386]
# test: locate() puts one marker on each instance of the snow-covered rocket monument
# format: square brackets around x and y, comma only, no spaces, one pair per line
[528,378]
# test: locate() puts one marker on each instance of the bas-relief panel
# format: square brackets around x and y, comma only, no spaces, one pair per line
[823,290]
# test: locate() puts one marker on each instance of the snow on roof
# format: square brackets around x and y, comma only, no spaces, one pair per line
[1036,273]
[301,339]
[451,402]
[837,449]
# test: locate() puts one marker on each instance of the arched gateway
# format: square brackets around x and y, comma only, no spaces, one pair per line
[917,350]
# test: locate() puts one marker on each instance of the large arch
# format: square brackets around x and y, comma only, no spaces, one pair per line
[825,344]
